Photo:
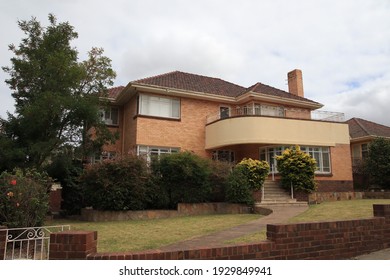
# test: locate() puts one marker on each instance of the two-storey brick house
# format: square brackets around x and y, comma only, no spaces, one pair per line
[217,119]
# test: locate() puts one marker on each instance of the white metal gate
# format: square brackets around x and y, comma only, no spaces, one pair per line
[29,243]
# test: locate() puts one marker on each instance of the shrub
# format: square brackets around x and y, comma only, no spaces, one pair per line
[377,164]
[184,176]
[239,188]
[256,171]
[219,179]
[248,176]
[120,184]
[24,198]
[297,169]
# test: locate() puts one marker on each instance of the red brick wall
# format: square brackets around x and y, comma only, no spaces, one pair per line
[72,245]
[320,240]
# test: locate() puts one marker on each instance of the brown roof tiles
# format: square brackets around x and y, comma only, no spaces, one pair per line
[361,128]
[204,84]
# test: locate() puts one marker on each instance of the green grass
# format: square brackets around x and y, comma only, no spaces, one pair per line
[151,234]
[326,211]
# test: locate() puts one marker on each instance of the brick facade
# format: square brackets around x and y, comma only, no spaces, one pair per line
[201,97]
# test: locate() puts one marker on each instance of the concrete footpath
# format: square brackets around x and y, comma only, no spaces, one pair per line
[280,214]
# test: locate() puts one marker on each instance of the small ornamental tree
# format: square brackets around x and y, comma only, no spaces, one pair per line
[256,172]
[297,169]
[248,176]
[24,198]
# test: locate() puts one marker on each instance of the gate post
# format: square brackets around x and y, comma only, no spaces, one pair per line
[3,239]
[72,245]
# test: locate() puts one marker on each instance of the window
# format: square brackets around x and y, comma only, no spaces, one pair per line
[267,110]
[103,156]
[364,151]
[150,153]
[110,115]
[157,106]
[320,154]
[227,156]
[224,112]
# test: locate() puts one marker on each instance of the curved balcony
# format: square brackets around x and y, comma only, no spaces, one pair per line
[274,130]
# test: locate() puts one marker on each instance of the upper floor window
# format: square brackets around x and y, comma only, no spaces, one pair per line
[156,106]
[268,110]
[110,115]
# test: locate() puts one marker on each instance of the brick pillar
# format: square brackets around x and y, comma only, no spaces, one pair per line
[72,245]
[382,210]
[3,237]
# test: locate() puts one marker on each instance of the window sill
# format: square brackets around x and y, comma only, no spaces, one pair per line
[157,118]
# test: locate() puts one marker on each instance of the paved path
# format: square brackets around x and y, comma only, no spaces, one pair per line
[280,214]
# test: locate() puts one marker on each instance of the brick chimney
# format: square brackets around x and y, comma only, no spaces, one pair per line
[295,82]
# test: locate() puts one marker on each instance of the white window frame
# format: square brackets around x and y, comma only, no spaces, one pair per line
[269,153]
[107,115]
[103,156]
[218,155]
[159,106]
[149,151]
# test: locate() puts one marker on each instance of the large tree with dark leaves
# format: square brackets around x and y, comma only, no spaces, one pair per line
[56,96]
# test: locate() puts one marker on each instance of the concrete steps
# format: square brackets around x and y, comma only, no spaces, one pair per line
[275,195]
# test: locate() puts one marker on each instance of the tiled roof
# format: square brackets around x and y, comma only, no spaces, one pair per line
[113,92]
[265,89]
[198,83]
[192,82]
[360,128]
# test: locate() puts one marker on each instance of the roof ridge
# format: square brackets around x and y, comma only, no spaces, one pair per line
[357,120]
[156,76]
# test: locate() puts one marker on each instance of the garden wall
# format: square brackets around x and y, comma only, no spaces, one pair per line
[183,209]
[320,240]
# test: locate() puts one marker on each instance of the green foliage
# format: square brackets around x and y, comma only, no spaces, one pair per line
[297,168]
[377,164]
[248,176]
[67,172]
[121,184]
[256,171]
[184,177]
[219,179]
[56,97]
[239,189]
[23,198]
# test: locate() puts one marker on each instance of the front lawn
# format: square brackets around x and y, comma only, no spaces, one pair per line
[151,234]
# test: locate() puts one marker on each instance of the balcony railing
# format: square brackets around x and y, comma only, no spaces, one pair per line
[272,112]
[327,116]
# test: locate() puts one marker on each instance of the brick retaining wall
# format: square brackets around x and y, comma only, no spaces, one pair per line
[320,240]
[183,209]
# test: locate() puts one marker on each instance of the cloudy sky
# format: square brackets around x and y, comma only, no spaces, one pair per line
[342,47]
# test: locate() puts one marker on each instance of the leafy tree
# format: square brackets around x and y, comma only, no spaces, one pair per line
[248,176]
[56,97]
[377,164]
[297,169]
